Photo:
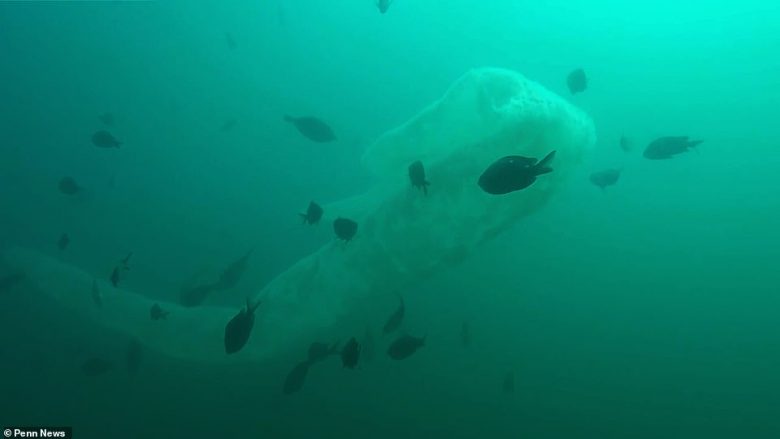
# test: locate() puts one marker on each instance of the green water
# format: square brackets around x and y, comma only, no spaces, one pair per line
[648,310]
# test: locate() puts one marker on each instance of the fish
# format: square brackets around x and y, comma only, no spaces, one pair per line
[107,118]
[509,382]
[667,147]
[577,81]
[96,366]
[350,354]
[313,214]
[404,346]
[134,356]
[395,320]
[312,128]
[115,277]
[417,176]
[104,139]
[234,272]
[157,313]
[10,280]
[125,263]
[231,43]
[513,173]
[383,5]
[345,228]
[607,177]
[97,298]
[294,380]
[63,242]
[69,186]
[320,351]
[228,125]
[465,335]
[626,144]
[239,328]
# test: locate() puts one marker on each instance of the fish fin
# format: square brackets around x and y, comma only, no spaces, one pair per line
[542,167]
[694,143]
[250,309]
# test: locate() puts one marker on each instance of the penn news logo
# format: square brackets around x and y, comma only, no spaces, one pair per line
[38,432]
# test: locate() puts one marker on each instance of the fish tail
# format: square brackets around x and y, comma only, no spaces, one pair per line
[694,143]
[542,167]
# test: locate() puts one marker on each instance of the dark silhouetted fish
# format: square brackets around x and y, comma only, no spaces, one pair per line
[513,173]
[320,351]
[231,43]
[234,272]
[312,128]
[577,81]
[296,377]
[383,5]
[68,186]
[607,177]
[107,119]
[157,313]
[404,346]
[465,335]
[509,382]
[10,280]
[228,125]
[96,366]
[626,144]
[97,298]
[63,242]
[313,214]
[239,328]
[417,176]
[350,354]
[345,228]
[104,139]
[395,320]
[667,147]
[133,357]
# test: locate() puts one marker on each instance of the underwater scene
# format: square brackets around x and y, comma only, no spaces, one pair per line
[390,219]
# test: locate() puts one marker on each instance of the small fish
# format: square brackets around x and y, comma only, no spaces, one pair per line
[605,178]
[96,366]
[97,298]
[509,382]
[104,139]
[513,173]
[296,377]
[133,357]
[107,118]
[115,277]
[383,5]
[404,346]
[417,176]
[126,261]
[231,43]
[320,351]
[345,228]
[68,186]
[63,242]
[465,335]
[312,128]
[395,320]
[313,214]
[350,354]
[626,144]
[157,313]
[577,81]
[228,125]
[10,280]
[230,277]
[667,147]
[239,328]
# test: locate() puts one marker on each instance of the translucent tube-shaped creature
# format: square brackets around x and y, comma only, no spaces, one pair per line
[403,235]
